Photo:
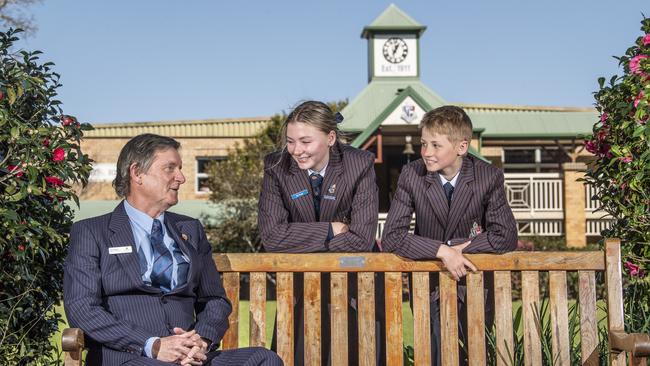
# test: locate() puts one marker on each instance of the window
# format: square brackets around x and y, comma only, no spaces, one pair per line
[202,172]
[533,159]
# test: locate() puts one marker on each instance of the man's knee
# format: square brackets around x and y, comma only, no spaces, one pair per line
[267,357]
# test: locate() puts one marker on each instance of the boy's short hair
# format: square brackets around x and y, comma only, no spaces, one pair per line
[448,120]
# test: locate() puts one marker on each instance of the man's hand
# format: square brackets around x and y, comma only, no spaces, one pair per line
[197,354]
[339,228]
[460,247]
[454,261]
[175,348]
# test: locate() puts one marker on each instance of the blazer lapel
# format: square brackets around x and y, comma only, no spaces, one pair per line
[332,185]
[297,182]
[463,194]
[123,236]
[436,196]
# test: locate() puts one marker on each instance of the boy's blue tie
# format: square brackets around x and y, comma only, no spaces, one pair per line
[316,181]
[449,191]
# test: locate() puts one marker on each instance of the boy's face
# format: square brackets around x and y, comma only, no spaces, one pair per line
[440,154]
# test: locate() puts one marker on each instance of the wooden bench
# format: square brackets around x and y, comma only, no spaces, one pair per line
[587,264]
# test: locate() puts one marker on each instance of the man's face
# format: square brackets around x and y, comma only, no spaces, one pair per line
[159,186]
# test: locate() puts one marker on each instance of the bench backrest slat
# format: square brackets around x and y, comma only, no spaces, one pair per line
[257,309]
[476,319]
[559,317]
[394,335]
[503,317]
[614,280]
[448,320]
[312,318]
[531,309]
[339,317]
[285,333]
[366,318]
[588,320]
[231,284]
[421,319]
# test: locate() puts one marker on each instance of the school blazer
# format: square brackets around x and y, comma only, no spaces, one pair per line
[479,212]
[104,294]
[287,219]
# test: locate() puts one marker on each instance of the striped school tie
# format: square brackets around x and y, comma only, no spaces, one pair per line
[316,181]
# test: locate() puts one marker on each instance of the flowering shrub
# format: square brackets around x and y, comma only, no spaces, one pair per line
[40,159]
[621,172]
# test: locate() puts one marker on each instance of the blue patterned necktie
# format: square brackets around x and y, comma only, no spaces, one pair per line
[316,181]
[161,273]
[449,191]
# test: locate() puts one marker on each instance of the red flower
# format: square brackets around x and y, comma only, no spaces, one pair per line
[16,170]
[58,154]
[591,147]
[2,95]
[635,67]
[54,181]
[603,117]
[21,247]
[646,39]
[638,99]
[67,120]
[46,142]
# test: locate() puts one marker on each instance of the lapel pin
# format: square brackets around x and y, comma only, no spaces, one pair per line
[184,237]
[332,189]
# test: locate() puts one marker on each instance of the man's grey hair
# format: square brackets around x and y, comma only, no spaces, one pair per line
[140,151]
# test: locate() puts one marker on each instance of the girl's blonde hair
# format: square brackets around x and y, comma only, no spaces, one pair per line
[316,114]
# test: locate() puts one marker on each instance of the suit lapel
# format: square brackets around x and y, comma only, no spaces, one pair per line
[297,182]
[174,229]
[436,196]
[463,194]
[123,236]
[333,183]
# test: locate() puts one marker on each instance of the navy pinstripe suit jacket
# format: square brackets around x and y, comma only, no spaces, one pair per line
[104,294]
[350,195]
[479,197]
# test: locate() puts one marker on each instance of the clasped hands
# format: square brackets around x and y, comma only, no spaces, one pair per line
[183,348]
[455,261]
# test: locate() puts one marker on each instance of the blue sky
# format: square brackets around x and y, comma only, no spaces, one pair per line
[146,60]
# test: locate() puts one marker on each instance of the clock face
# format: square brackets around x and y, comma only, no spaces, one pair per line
[395,50]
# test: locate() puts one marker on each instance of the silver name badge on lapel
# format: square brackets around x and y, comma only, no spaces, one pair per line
[120,250]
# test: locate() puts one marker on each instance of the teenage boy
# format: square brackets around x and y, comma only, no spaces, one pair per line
[460,207]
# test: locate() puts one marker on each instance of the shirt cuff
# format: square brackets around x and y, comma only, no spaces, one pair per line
[148,346]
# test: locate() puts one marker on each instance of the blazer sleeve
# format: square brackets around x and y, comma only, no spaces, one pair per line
[500,234]
[363,217]
[277,233]
[212,306]
[396,237]
[82,294]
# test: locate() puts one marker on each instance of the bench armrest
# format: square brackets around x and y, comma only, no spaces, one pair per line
[72,344]
[638,344]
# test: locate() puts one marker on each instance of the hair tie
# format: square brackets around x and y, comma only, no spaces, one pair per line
[338,117]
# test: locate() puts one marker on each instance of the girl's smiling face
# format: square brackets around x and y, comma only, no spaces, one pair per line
[308,145]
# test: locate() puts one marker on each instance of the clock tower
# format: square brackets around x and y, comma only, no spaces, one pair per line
[393,45]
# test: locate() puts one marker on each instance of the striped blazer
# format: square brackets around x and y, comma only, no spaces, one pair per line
[479,211]
[104,294]
[287,219]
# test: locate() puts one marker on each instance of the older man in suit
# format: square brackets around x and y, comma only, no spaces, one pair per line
[140,281]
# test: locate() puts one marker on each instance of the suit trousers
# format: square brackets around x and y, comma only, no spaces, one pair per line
[251,356]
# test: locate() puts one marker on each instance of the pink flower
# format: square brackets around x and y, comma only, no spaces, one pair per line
[602,134]
[623,185]
[638,98]
[635,66]
[646,39]
[46,142]
[635,270]
[54,181]
[67,120]
[16,170]
[591,147]
[58,154]
[21,247]
[603,117]
[604,151]
[626,159]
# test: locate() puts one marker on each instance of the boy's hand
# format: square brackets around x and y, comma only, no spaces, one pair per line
[339,228]
[454,261]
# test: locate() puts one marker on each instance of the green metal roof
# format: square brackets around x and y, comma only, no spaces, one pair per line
[382,97]
[393,19]
[531,122]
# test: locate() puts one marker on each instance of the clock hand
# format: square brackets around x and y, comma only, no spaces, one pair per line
[395,49]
